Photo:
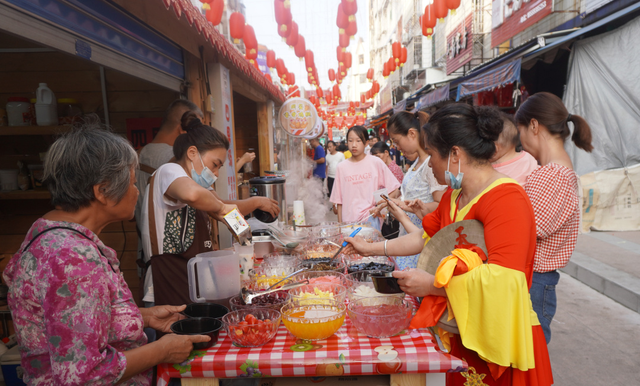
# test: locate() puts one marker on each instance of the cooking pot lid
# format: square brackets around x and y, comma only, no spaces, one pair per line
[266,180]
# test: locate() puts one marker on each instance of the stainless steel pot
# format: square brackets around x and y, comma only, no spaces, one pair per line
[272,187]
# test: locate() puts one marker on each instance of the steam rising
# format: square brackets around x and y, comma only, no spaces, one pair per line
[309,189]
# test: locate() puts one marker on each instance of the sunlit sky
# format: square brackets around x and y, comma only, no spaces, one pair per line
[317,23]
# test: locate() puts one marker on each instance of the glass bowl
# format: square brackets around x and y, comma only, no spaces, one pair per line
[318,291]
[357,263]
[359,284]
[368,233]
[252,327]
[322,264]
[317,277]
[325,229]
[323,248]
[280,259]
[274,300]
[380,316]
[265,275]
[313,321]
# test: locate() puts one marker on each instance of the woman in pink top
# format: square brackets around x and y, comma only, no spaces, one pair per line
[358,178]
[553,189]
[381,150]
[508,161]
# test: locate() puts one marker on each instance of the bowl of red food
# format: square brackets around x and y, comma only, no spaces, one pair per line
[380,316]
[273,300]
[252,327]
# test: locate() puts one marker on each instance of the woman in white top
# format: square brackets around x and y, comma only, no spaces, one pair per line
[333,158]
[420,192]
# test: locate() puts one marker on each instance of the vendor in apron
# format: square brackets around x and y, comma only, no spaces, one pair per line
[177,207]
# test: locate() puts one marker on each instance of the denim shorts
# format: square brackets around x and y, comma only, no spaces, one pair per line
[543,298]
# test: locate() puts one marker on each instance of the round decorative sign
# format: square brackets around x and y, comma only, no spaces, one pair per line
[298,117]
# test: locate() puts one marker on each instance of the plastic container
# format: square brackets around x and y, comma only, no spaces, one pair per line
[205,310]
[360,284]
[11,369]
[214,277]
[69,111]
[8,179]
[37,176]
[18,111]
[46,106]
[199,326]
[247,259]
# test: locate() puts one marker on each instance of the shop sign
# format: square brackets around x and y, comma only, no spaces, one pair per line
[262,61]
[386,102]
[592,5]
[460,45]
[510,17]
[225,81]
[318,131]
[298,117]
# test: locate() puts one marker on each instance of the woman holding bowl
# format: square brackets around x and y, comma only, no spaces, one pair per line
[500,336]
[75,318]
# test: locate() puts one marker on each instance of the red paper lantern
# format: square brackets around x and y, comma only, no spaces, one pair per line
[300,48]
[312,99]
[343,40]
[280,67]
[350,7]
[396,49]
[403,56]
[284,30]
[352,28]
[375,87]
[332,74]
[440,9]
[282,11]
[347,60]
[429,21]
[236,26]
[271,59]
[336,91]
[291,78]
[250,41]
[452,5]
[251,55]
[293,38]
[328,96]
[342,71]
[370,74]
[392,65]
[352,105]
[308,60]
[340,55]
[362,98]
[385,69]
[368,94]
[342,20]
[319,92]
[214,13]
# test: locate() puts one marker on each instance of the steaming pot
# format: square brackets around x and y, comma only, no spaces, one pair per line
[271,187]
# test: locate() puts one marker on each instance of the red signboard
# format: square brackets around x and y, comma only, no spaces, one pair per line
[510,17]
[460,45]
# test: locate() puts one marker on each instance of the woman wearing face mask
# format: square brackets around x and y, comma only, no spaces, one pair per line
[176,209]
[358,178]
[420,192]
[499,334]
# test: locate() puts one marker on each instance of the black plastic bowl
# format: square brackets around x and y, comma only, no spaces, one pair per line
[386,284]
[206,310]
[199,326]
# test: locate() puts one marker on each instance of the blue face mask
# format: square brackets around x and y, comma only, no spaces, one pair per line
[206,178]
[454,182]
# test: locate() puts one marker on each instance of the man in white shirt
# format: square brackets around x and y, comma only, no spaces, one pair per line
[333,158]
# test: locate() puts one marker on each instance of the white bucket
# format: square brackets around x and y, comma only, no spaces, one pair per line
[8,179]
[46,106]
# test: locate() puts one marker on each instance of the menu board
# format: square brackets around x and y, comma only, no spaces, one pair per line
[298,117]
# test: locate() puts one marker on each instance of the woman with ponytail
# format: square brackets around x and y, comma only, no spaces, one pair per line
[499,334]
[177,205]
[420,192]
[554,192]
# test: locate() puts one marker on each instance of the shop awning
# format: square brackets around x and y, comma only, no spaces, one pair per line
[435,96]
[400,106]
[222,46]
[496,77]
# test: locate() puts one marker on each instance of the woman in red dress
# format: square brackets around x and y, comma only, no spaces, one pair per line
[500,336]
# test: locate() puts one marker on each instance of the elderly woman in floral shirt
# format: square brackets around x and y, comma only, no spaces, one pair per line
[75,318]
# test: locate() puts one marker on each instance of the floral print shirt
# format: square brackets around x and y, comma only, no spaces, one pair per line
[73,312]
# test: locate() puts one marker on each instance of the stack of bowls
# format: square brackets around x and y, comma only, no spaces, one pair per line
[202,319]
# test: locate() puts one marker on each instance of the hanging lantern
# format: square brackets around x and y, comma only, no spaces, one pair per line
[347,60]
[342,20]
[251,55]
[319,92]
[271,59]
[352,105]
[236,26]
[440,10]
[336,91]
[332,74]
[308,60]
[250,42]
[215,11]
[392,65]
[280,67]
[352,28]
[284,30]
[301,47]
[403,56]
[350,7]
[292,40]
[368,94]
[362,98]
[329,96]
[396,49]
[340,55]
[385,69]
[312,99]
[291,78]
[343,40]
[375,87]
[342,71]
[370,74]
[428,21]
[282,11]
[452,5]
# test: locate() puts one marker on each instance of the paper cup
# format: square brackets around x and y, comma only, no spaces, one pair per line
[298,212]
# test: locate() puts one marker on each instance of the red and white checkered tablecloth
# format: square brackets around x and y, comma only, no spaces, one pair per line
[347,352]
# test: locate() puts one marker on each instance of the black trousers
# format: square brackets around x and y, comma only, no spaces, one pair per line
[330,185]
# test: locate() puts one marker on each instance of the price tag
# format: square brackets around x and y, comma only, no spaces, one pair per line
[236,222]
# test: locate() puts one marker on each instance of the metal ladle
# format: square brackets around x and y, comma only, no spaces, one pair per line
[288,245]
[248,296]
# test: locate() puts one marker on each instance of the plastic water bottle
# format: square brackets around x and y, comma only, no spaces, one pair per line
[46,106]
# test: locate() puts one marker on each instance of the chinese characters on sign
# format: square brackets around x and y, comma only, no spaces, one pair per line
[298,116]
[510,17]
[460,45]
[228,123]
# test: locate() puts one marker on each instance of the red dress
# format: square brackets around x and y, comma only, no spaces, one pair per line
[510,236]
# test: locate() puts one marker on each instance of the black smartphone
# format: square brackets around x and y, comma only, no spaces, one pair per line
[385,198]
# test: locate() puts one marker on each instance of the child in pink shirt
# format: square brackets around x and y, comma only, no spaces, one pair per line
[358,178]
[513,164]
